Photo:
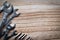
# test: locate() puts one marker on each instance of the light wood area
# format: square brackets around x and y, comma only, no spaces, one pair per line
[39,19]
[30,2]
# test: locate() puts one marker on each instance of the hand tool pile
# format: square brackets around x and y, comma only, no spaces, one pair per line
[9,13]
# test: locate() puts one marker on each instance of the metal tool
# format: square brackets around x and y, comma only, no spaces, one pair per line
[17,36]
[28,38]
[7,10]
[13,34]
[9,13]
[14,14]
[22,36]
[7,37]
[8,29]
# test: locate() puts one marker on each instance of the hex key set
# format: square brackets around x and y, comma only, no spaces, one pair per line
[8,14]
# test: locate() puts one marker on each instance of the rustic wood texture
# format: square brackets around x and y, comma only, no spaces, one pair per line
[44,19]
[39,19]
[30,2]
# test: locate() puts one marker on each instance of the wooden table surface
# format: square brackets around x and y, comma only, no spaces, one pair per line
[39,19]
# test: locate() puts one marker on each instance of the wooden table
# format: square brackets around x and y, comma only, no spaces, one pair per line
[39,19]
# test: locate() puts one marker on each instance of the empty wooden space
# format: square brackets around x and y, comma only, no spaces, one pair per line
[39,18]
[30,2]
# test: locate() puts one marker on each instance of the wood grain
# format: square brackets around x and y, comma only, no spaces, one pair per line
[35,2]
[43,20]
[39,19]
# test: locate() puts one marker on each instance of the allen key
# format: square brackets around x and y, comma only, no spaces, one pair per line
[17,36]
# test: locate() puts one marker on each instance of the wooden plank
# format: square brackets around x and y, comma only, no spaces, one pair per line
[37,20]
[46,19]
[48,35]
[29,2]
[55,39]
[37,25]
[35,8]
[39,14]
[37,29]
[41,22]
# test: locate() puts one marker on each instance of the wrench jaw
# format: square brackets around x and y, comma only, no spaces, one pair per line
[10,27]
[14,13]
[6,4]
